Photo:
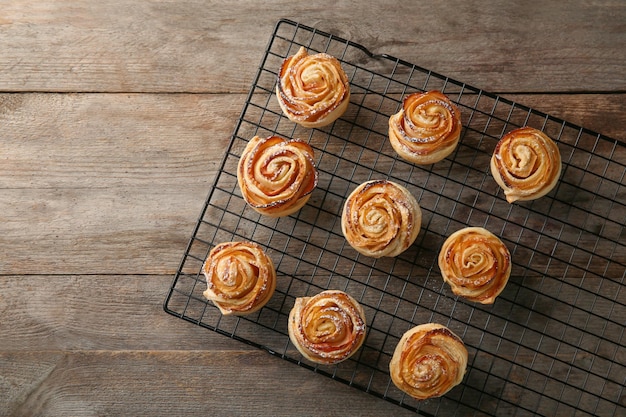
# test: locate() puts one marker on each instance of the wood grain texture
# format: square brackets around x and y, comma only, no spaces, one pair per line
[113,183]
[96,312]
[114,168]
[147,383]
[600,113]
[215,46]
[114,118]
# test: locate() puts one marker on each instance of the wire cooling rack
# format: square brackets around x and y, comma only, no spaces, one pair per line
[553,343]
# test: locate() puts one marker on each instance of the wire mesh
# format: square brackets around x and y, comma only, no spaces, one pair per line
[553,343]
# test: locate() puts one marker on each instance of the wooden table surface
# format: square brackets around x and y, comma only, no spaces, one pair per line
[114,118]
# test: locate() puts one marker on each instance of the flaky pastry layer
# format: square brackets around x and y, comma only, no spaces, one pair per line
[526,164]
[312,90]
[240,277]
[426,129]
[428,361]
[381,218]
[276,176]
[327,328]
[475,263]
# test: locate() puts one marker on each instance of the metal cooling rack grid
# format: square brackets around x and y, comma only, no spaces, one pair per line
[552,344]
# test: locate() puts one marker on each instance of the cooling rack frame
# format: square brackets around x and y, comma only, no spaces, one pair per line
[553,343]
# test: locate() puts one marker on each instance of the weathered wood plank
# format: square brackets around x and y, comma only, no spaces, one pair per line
[196,46]
[75,165]
[145,383]
[602,113]
[60,141]
[95,312]
[105,231]
[124,312]
[85,194]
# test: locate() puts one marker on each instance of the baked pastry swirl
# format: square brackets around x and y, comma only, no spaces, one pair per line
[428,361]
[426,129]
[381,218]
[240,277]
[276,176]
[526,164]
[475,263]
[312,90]
[327,328]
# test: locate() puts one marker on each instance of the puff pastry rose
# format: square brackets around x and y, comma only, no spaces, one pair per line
[240,277]
[426,129]
[381,218]
[312,90]
[475,263]
[276,176]
[428,361]
[327,328]
[526,164]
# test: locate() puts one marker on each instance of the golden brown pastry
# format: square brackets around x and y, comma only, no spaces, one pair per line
[327,328]
[276,176]
[526,164]
[381,218]
[426,129]
[240,277]
[428,361]
[475,263]
[312,90]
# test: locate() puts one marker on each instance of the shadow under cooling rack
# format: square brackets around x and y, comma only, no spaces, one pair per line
[553,343]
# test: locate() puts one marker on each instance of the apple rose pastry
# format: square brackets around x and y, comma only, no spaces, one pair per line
[428,361]
[381,218]
[327,328]
[240,277]
[276,176]
[312,90]
[426,129]
[526,164]
[475,263]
